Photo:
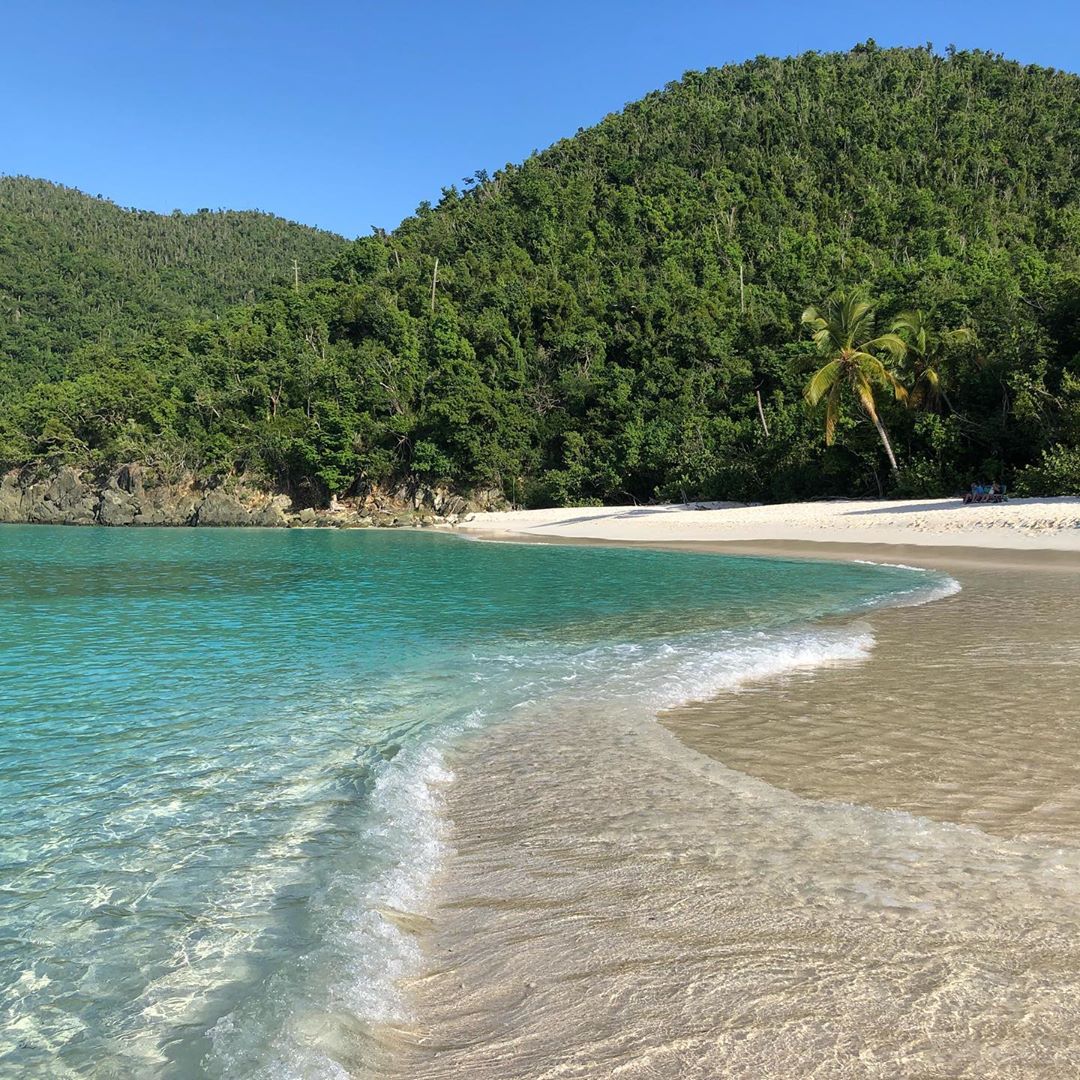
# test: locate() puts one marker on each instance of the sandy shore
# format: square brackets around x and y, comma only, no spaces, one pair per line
[831,873]
[864,869]
[1036,525]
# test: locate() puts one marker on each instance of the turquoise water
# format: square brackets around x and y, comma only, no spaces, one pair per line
[222,755]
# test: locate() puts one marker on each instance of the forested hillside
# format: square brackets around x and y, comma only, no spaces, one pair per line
[619,316]
[78,271]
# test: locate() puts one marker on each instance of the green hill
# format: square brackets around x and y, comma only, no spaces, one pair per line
[618,316]
[77,270]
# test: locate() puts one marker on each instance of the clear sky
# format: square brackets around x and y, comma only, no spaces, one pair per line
[346,115]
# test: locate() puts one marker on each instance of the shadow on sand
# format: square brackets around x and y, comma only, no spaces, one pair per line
[641,511]
[911,508]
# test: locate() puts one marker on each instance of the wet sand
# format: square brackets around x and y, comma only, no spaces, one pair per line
[968,709]
[871,869]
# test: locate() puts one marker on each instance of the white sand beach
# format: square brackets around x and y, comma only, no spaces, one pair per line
[1051,524]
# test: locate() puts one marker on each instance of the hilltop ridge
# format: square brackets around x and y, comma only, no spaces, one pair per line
[78,270]
[618,316]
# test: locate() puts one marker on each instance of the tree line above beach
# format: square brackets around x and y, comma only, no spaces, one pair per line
[618,317]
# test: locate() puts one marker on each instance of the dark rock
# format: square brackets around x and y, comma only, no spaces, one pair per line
[167,506]
[134,495]
[221,508]
[239,508]
[488,499]
[453,506]
[117,507]
[12,499]
[64,498]
[129,479]
[272,514]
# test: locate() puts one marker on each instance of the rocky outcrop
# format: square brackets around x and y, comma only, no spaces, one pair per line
[438,500]
[132,496]
[128,497]
[62,498]
[220,507]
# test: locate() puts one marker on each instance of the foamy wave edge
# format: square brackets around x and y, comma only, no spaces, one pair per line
[700,668]
[389,915]
[379,931]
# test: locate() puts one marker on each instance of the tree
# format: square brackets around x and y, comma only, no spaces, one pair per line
[844,337]
[606,313]
[927,349]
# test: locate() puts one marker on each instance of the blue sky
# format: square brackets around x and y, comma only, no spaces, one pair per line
[347,115]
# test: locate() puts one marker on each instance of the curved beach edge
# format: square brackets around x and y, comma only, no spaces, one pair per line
[940,532]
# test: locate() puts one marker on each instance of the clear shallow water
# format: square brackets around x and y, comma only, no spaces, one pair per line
[618,905]
[222,760]
[874,873]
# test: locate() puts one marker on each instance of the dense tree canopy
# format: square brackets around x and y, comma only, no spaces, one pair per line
[77,270]
[603,321]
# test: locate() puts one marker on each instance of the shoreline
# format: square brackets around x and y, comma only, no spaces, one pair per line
[950,662]
[499,924]
[1024,530]
[976,569]
[601,907]
[930,556]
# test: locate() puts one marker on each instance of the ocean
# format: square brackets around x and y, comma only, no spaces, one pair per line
[225,759]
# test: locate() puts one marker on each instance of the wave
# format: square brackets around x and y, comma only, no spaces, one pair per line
[369,944]
[368,941]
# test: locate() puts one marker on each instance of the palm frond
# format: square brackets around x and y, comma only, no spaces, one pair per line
[962,335]
[871,367]
[855,311]
[927,389]
[865,394]
[873,370]
[892,344]
[911,326]
[913,321]
[824,339]
[822,381]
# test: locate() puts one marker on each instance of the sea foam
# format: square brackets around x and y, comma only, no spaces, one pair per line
[262,727]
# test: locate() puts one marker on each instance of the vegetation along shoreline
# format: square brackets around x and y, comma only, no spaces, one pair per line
[614,319]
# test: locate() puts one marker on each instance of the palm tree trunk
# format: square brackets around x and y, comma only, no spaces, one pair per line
[761,412]
[885,442]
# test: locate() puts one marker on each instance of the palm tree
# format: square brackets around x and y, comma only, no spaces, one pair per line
[844,336]
[927,348]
